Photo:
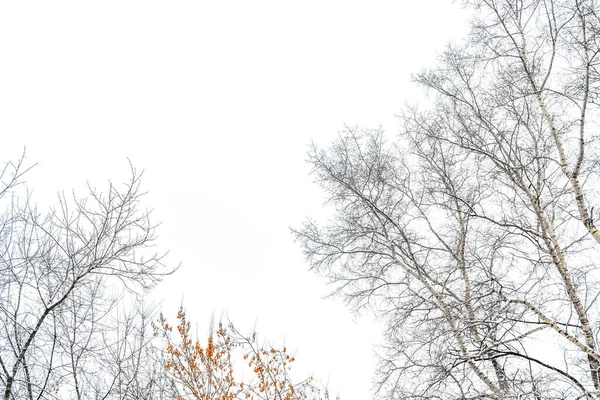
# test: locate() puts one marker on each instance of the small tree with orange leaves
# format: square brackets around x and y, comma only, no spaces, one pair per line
[211,372]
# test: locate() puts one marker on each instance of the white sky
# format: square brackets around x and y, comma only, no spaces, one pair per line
[217,102]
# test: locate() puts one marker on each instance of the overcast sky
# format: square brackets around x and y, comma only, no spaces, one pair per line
[217,102]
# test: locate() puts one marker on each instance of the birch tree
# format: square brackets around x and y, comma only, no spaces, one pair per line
[472,232]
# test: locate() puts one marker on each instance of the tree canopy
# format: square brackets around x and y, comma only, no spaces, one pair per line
[472,232]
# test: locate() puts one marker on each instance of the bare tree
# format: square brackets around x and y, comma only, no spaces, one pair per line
[132,363]
[473,233]
[55,270]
